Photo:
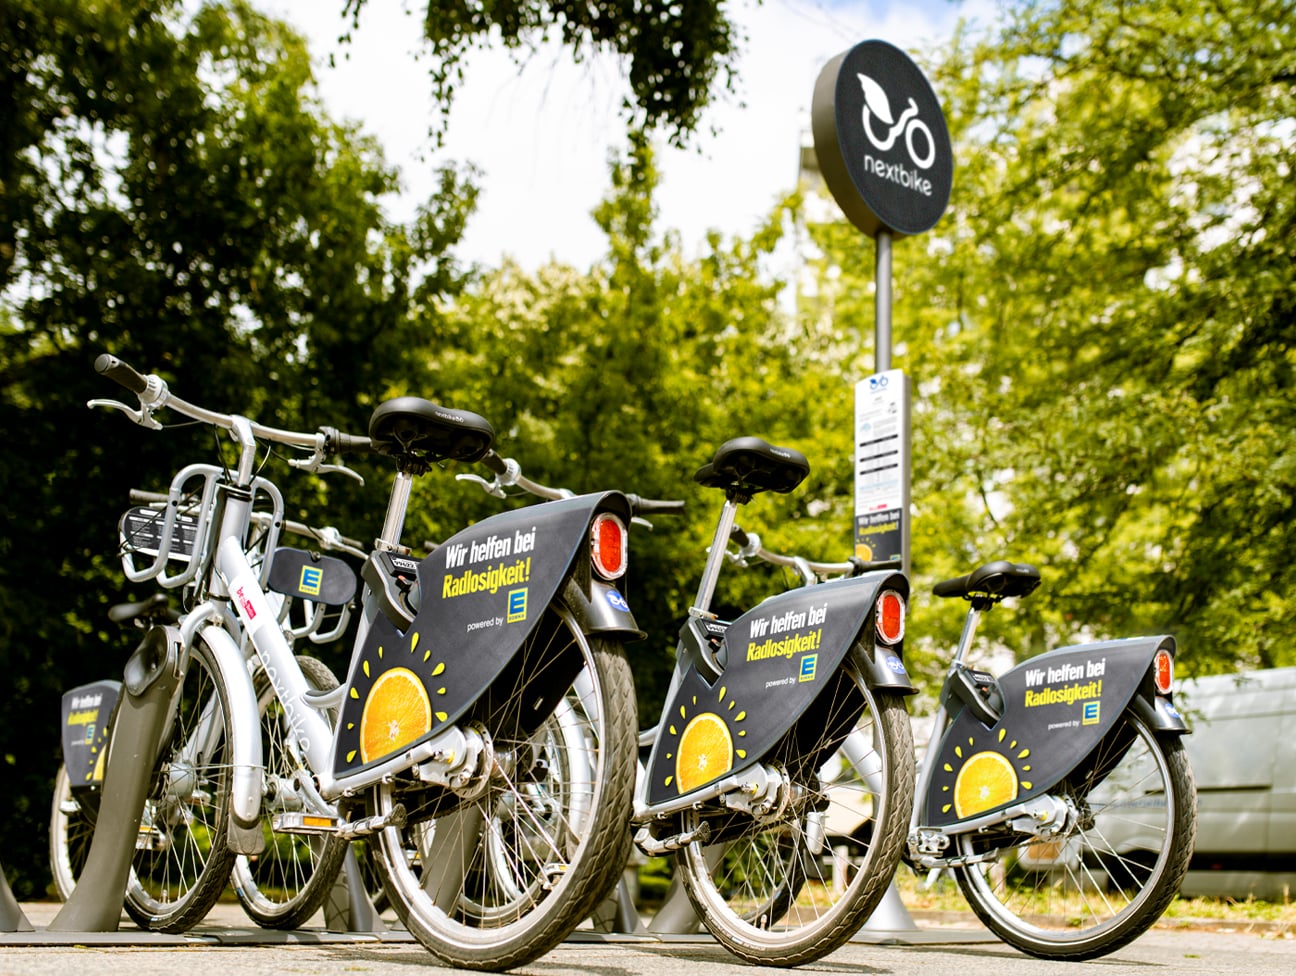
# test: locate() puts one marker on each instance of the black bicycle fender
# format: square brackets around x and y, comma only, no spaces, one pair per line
[779,657]
[1058,707]
[1159,714]
[884,669]
[87,715]
[483,592]
[603,611]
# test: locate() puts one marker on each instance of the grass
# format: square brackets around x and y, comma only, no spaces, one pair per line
[945,896]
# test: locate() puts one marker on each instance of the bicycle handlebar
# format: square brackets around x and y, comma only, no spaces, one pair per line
[508,473]
[153,395]
[811,570]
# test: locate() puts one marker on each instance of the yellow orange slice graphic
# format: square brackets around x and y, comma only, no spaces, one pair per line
[987,780]
[705,752]
[396,713]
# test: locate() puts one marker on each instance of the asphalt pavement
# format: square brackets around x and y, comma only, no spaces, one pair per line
[928,946]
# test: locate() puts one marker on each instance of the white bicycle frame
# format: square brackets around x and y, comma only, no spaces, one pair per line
[235,581]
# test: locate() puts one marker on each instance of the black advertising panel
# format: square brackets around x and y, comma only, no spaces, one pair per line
[778,656]
[1057,707]
[881,140]
[484,591]
[86,714]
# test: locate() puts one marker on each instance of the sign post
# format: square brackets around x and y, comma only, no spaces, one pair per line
[884,150]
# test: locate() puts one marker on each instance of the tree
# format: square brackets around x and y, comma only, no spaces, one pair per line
[174,193]
[1101,328]
[679,54]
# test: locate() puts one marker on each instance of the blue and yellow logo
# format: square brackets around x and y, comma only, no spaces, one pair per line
[517,605]
[312,578]
[808,665]
[1090,713]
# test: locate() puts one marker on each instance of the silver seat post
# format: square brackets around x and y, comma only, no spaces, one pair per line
[394,522]
[715,555]
[927,766]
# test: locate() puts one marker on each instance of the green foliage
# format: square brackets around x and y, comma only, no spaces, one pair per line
[678,54]
[171,191]
[1101,328]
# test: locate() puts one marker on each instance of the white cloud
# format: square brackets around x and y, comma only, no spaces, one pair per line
[542,134]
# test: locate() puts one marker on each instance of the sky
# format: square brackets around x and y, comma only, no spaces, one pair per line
[542,135]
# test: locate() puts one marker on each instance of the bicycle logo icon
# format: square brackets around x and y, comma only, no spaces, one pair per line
[876,103]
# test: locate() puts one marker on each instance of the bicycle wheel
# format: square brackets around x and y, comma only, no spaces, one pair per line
[182,860]
[791,887]
[1103,884]
[496,881]
[72,820]
[284,885]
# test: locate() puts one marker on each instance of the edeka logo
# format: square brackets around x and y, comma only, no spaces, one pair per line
[312,579]
[517,605]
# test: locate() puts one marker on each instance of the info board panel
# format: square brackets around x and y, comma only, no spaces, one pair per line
[882,468]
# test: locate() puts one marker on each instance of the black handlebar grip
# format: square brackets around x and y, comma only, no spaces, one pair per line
[494,462]
[124,373]
[655,506]
[337,442]
[738,535]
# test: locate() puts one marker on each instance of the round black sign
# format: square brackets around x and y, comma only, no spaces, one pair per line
[881,140]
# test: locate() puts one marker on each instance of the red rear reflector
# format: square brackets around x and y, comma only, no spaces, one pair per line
[890,617]
[609,546]
[1163,672]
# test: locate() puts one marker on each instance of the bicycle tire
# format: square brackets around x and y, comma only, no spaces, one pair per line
[182,859]
[769,889]
[288,882]
[1094,897]
[516,870]
[72,823]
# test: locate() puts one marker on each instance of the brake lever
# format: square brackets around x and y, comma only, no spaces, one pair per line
[143,416]
[492,487]
[315,463]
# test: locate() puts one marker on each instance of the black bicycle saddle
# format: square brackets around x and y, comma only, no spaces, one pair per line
[749,465]
[411,427]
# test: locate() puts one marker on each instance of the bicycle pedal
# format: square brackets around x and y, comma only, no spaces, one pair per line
[306,823]
[149,838]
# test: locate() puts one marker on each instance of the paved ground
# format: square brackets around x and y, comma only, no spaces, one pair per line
[227,944]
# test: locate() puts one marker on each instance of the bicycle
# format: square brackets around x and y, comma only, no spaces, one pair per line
[1058,793]
[745,777]
[496,789]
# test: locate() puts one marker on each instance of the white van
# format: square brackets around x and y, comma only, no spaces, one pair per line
[1243,757]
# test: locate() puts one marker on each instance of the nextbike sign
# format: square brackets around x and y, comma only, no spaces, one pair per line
[881,140]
